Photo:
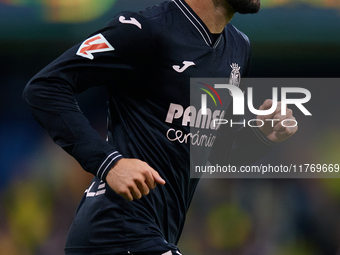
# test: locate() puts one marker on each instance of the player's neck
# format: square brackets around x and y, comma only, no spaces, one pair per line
[215,14]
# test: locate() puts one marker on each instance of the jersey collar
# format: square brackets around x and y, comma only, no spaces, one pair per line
[197,23]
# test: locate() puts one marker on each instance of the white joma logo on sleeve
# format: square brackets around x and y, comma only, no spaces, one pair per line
[132,21]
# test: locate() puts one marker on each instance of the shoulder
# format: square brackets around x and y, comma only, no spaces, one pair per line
[239,42]
[237,35]
[159,14]
[143,26]
[129,33]
[128,22]
[143,20]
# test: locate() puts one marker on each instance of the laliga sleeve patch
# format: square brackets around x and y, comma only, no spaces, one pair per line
[94,44]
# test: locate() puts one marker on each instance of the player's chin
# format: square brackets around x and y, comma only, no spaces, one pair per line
[246,6]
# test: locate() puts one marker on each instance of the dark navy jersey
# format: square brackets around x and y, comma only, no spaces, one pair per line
[145,60]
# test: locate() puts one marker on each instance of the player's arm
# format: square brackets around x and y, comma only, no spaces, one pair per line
[242,144]
[101,59]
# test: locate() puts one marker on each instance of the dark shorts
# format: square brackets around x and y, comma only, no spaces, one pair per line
[150,252]
[170,252]
[149,247]
[107,224]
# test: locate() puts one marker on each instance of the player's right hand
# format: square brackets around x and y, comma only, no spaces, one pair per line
[133,178]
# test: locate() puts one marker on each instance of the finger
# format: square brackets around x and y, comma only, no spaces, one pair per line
[149,180]
[127,195]
[281,124]
[143,188]
[289,113]
[283,120]
[279,128]
[268,104]
[291,126]
[287,127]
[277,111]
[287,133]
[289,122]
[158,179]
[135,192]
[148,176]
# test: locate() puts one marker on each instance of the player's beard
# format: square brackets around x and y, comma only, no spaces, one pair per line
[245,6]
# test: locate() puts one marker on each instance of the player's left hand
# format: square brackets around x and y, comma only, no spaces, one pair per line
[274,130]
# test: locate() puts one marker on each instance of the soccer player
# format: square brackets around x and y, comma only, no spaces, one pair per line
[137,201]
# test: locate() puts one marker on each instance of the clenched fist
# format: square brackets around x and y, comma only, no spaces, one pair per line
[274,130]
[133,178]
